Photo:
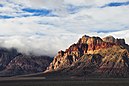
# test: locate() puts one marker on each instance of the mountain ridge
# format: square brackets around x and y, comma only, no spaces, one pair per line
[14,63]
[90,56]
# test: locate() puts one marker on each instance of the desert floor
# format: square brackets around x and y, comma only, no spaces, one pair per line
[41,81]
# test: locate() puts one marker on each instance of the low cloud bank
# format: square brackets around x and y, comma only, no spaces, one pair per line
[50,45]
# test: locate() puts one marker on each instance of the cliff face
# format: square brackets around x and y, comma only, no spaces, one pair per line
[15,63]
[93,56]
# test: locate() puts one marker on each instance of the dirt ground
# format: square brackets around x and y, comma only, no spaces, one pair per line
[41,81]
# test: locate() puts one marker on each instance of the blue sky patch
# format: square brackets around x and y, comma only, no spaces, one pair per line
[5,17]
[40,34]
[37,12]
[116,4]
[106,30]
[1,5]
[74,9]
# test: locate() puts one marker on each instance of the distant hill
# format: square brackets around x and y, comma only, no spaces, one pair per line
[14,63]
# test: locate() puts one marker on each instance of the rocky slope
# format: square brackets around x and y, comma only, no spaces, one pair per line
[93,57]
[15,63]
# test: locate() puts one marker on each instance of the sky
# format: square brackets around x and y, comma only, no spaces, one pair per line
[44,27]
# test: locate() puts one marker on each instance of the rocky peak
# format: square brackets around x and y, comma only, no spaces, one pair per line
[95,43]
[84,39]
[110,39]
[120,41]
[61,53]
[85,45]
[89,40]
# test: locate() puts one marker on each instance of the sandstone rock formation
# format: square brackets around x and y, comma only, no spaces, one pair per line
[93,56]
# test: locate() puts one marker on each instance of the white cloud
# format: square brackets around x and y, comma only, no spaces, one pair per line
[38,45]
[49,34]
[79,2]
